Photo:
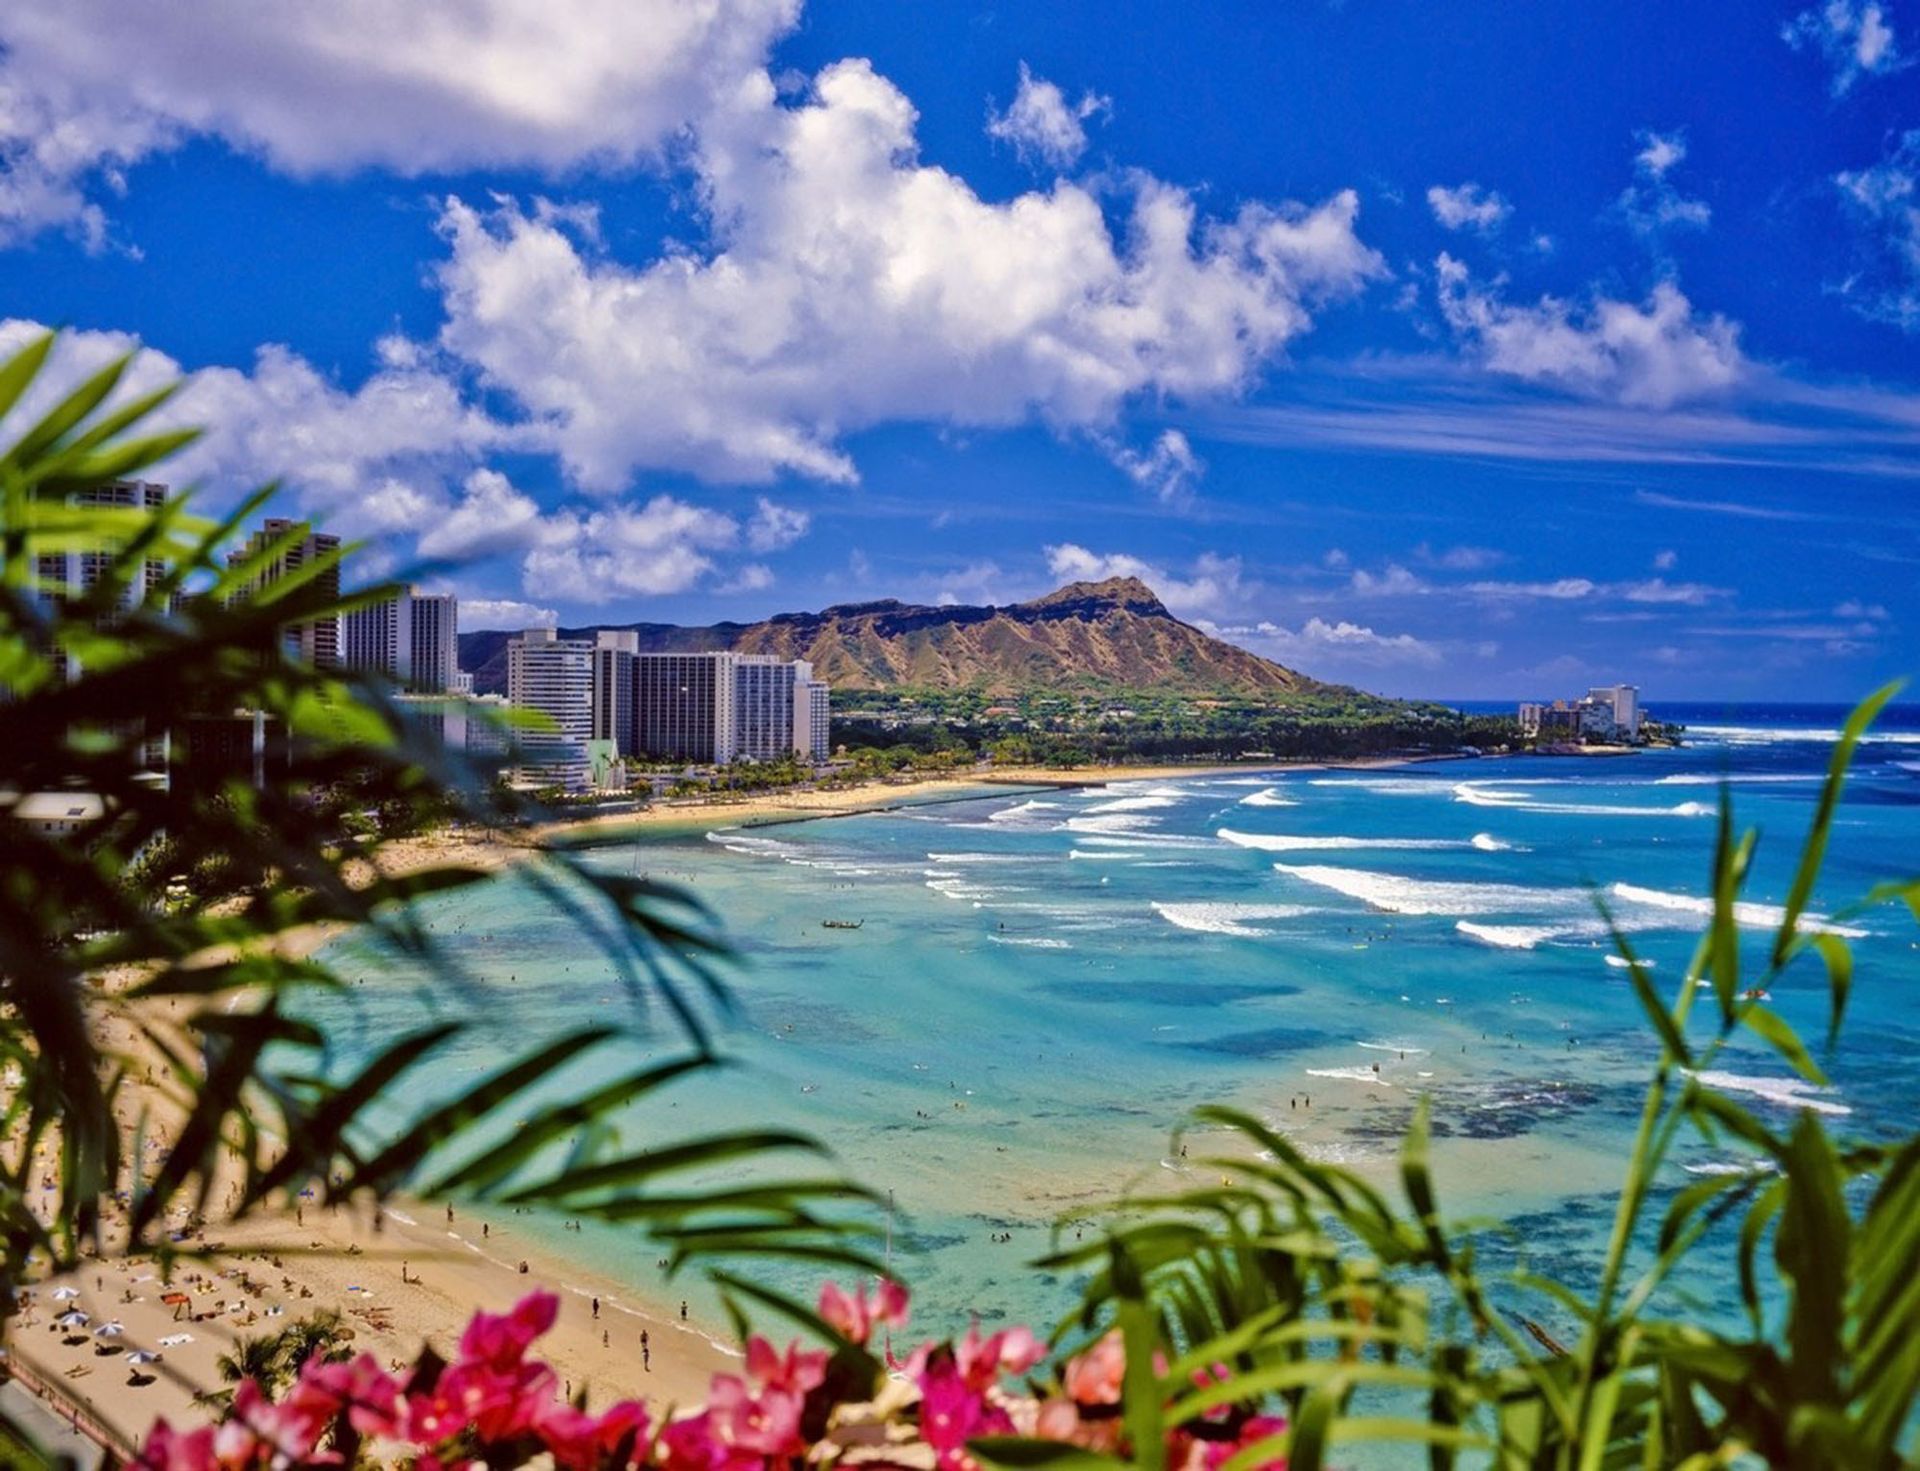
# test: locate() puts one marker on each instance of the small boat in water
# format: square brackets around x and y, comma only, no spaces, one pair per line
[841,924]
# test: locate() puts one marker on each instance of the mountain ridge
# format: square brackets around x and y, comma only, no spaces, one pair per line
[1113,634]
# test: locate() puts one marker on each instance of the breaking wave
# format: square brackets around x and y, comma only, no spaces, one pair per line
[1022,812]
[1509,936]
[1228,919]
[1784,1092]
[1768,735]
[1398,894]
[1703,779]
[1483,794]
[1757,915]
[1269,797]
[1295,843]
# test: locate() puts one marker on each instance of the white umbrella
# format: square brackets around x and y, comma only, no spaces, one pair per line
[64,1294]
[143,1356]
[71,1320]
[109,1330]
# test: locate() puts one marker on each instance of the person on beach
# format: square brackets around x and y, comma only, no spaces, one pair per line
[683,1310]
[646,1352]
[596,1309]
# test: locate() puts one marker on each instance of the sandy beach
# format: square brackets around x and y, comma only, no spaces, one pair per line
[274,1269]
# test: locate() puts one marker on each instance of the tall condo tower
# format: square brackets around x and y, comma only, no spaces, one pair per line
[553,675]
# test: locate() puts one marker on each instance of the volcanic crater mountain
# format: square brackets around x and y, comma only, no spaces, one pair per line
[1114,634]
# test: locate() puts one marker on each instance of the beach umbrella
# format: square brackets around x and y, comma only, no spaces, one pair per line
[64,1294]
[143,1356]
[71,1320]
[109,1330]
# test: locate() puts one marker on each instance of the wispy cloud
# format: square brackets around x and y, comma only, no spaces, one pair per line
[1751,510]
[1431,405]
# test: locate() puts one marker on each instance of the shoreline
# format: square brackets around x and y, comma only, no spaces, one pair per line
[280,1265]
[768,809]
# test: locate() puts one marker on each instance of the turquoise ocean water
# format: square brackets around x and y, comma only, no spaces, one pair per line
[1044,983]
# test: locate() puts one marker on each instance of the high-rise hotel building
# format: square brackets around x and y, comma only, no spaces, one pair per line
[315,641]
[684,707]
[74,573]
[705,708]
[553,675]
[613,671]
[412,638]
[77,572]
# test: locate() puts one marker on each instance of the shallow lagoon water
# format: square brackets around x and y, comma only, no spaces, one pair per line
[1045,984]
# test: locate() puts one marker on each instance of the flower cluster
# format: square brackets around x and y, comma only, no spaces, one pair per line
[494,1406]
[491,1403]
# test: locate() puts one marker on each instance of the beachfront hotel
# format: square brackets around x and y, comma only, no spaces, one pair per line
[412,638]
[553,675]
[706,709]
[1607,713]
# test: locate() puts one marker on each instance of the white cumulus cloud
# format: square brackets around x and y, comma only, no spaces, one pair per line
[88,88]
[1651,205]
[1331,648]
[490,517]
[596,556]
[369,459]
[1855,37]
[774,527]
[1042,125]
[851,285]
[1468,207]
[1169,468]
[1213,586]
[504,613]
[1651,356]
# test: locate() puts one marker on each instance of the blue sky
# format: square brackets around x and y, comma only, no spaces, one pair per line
[1477,350]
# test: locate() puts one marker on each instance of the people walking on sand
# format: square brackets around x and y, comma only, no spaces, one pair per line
[604,1337]
[646,1352]
[596,1309]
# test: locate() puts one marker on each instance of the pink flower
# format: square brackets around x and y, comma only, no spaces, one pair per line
[693,1445]
[169,1450]
[583,1442]
[1256,1428]
[1094,1377]
[1058,1419]
[1010,1351]
[290,1429]
[502,1339]
[369,1395]
[854,1316]
[767,1424]
[953,1411]
[799,1371]
[499,1405]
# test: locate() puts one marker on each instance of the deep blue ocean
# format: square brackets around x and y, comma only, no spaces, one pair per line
[1045,983]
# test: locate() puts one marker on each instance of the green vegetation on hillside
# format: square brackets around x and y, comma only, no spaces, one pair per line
[1141,725]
